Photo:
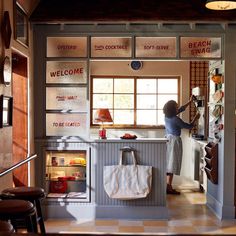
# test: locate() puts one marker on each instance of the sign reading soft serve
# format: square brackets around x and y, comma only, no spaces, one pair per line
[66,72]
[67,47]
[111,47]
[155,47]
[200,47]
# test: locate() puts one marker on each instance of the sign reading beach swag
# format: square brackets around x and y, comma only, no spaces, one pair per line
[61,72]
[67,98]
[164,47]
[111,47]
[60,124]
[67,47]
[200,47]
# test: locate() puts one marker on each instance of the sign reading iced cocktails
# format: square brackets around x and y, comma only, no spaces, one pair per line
[111,47]
[200,47]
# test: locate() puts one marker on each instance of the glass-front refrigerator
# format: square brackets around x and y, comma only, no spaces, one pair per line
[67,175]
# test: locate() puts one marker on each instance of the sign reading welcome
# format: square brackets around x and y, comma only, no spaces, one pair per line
[200,47]
[67,47]
[111,47]
[66,72]
[163,47]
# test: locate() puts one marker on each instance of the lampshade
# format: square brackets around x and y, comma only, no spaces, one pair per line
[220,5]
[102,115]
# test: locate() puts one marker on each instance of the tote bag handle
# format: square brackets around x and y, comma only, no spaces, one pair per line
[127,149]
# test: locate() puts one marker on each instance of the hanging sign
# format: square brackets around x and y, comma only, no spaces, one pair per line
[163,47]
[66,124]
[67,47]
[67,98]
[111,47]
[61,72]
[200,47]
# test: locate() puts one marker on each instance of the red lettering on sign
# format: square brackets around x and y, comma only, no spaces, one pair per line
[197,44]
[195,52]
[63,98]
[111,47]
[66,47]
[66,72]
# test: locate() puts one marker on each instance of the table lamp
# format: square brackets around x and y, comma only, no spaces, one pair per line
[102,115]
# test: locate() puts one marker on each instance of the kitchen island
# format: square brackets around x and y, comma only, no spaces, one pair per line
[150,151]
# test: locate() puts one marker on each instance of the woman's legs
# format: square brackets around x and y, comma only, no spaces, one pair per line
[169,178]
[169,189]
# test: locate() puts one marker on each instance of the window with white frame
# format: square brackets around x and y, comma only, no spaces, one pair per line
[135,102]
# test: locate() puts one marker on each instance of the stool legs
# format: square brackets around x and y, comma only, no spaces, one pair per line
[40,216]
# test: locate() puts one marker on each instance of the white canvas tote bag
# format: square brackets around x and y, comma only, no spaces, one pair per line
[127,182]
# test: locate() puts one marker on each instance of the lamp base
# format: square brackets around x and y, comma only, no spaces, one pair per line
[102,134]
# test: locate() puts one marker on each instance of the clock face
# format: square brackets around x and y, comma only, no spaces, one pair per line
[7,71]
[136,65]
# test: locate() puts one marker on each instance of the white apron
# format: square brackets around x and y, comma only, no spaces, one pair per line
[174,154]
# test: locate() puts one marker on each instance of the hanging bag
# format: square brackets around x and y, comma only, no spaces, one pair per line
[127,182]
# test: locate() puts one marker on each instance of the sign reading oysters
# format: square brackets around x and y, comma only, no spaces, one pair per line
[61,72]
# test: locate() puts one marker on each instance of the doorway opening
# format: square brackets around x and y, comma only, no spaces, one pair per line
[20,117]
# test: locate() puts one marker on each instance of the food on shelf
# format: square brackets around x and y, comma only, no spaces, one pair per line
[56,174]
[129,136]
[78,161]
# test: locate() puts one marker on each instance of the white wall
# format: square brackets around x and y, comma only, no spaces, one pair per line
[153,68]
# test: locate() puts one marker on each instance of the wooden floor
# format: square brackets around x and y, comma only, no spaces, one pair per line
[188,214]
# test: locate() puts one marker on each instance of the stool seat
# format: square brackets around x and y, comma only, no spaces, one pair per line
[15,208]
[25,193]
[6,227]
[32,194]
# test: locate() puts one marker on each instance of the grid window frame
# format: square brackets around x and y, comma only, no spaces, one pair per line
[135,110]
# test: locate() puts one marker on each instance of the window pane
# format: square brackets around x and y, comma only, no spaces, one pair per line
[167,86]
[125,117]
[163,99]
[146,117]
[146,101]
[124,101]
[146,85]
[123,85]
[161,117]
[102,101]
[102,85]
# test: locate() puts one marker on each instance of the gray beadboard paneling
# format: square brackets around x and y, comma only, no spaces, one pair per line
[152,153]
[107,153]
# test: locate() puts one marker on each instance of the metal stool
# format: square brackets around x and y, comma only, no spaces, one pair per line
[32,194]
[6,227]
[14,210]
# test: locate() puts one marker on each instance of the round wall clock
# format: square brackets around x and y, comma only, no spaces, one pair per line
[7,71]
[136,65]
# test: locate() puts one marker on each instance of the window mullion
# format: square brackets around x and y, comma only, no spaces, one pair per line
[135,101]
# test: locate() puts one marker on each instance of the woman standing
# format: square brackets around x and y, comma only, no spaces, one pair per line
[173,126]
